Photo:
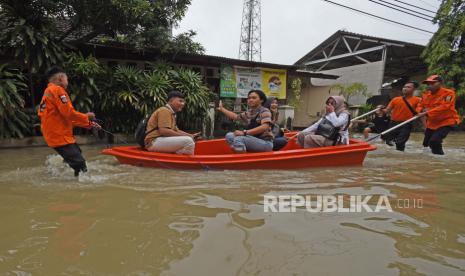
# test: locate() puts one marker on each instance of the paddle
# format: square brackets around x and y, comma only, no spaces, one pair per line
[392,128]
[366,114]
[292,140]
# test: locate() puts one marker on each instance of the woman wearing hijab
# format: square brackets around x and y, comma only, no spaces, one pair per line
[330,130]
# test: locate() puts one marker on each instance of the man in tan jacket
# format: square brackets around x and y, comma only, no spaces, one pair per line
[163,134]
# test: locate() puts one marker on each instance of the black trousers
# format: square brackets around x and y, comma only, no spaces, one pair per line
[433,138]
[72,155]
[399,136]
[279,143]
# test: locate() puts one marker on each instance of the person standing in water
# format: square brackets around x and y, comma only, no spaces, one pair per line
[438,106]
[58,118]
[402,108]
[378,124]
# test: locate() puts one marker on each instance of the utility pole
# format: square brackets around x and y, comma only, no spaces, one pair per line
[250,47]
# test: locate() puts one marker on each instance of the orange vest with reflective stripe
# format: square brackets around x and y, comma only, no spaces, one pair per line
[58,117]
[440,108]
[400,111]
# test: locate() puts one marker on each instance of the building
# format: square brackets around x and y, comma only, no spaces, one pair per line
[383,65]
[209,67]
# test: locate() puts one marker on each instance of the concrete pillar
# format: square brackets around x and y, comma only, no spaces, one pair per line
[211,118]
[286,116]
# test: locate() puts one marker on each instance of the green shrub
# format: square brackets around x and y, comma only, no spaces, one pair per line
[82,72]
[127,94]
[14,122]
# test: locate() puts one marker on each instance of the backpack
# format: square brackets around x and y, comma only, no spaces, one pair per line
[141,132]
[329,131]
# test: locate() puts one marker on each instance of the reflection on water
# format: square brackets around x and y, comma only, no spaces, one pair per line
[123,220]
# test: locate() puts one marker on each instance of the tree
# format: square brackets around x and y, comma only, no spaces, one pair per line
[14,122]
[84,72]
[294,100]
[39,33]
[445,53]
[127,94]
[27,37]
[141,23]
[350,90]
[184,43]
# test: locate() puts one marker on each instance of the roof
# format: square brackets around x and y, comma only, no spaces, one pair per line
[65,28]
[125,52]
[403,58]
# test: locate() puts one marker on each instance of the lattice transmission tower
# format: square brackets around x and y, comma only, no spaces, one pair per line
[250,47]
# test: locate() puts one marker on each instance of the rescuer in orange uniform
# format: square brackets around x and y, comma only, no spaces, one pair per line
[402,108]
[438,105]
[58,117]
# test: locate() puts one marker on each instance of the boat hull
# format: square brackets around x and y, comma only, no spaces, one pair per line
[216,155]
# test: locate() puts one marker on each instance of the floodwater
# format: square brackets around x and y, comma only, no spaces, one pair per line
[123,220]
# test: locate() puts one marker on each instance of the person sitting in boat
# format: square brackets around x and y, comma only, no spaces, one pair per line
[163,134]
[279,139]
[257,136]
[330,130]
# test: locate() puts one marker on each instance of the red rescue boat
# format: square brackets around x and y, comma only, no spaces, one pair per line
[216,155]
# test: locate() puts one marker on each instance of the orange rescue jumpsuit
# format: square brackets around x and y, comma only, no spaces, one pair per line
[441,117]
[58,117]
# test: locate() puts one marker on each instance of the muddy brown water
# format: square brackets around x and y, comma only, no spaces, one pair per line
[123,220]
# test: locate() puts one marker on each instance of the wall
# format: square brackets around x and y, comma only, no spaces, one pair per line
[370,74]
[311,104]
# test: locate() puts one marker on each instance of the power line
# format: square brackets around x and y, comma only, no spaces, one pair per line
[402,7]
[408,4]
[379,17]
[390,7]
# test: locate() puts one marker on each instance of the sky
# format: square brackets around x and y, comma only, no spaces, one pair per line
[291,28]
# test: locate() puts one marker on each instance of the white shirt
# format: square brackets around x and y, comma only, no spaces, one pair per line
[338,121]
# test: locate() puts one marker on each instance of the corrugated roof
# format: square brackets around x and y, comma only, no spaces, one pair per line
[124,52]
[362,36]
[403,58]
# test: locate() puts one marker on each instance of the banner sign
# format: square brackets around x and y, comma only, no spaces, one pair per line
[236,82]
[274,83]
[247,79]
[227,82]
